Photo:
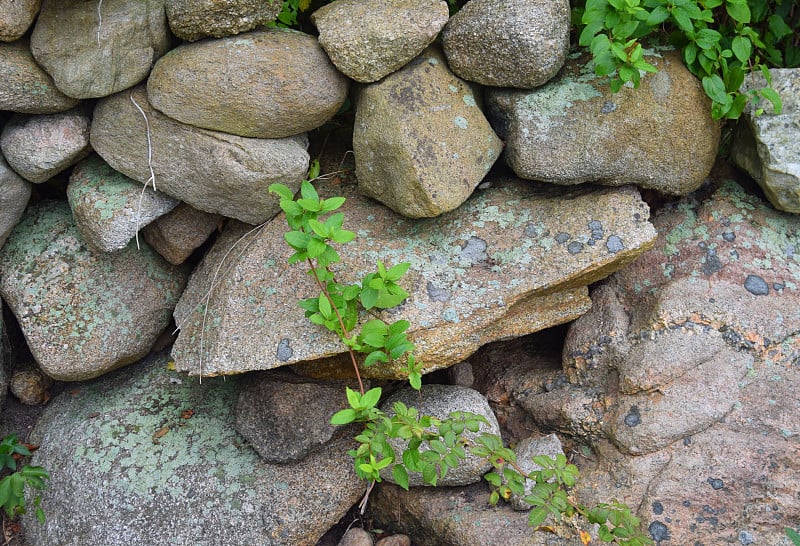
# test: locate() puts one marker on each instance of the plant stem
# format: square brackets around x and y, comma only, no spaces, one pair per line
[341,323]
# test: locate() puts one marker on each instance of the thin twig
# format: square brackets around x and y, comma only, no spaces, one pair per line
[149,144]
[99,20]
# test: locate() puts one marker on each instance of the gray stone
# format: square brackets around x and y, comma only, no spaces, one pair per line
[24,86]
[212,171]
[440,401]
[356,536]
[96,49]
[273,83]
[421,142]
[369,40]
[16,16]
[435,516]
[508,43]
[83,313]
[526,450]
[109,208]
[238,305]
[40,146]
[14,195]
[768,146]
[146,456]
[574,129]
[194,19]
[178,233]
[285,417]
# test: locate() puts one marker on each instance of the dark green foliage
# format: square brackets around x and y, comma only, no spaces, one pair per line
[13,484]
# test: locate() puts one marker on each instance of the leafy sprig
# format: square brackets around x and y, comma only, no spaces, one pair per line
[13,484]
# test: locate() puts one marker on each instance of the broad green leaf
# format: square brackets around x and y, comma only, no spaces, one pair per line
[283,191]
[682,19]
[738,11]
[369,297]
[537,516]
[371,397]
[353,398]
[600,44]
[398,327]
[332,204]
[318,227]
[715,88]
[400,476]
[316,247]
[415,380]
[707,38]
[313,170]
[396,272]
[311,205]
[343,417]
[343,236]
[657,16]
[742,48]
[291,208]
[772,96]
[778,26]
[296,239]
[308,192]
[588,33]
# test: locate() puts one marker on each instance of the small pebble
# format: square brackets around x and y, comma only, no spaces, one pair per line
[658,531]
[395,540]
[756,285]
[356,536]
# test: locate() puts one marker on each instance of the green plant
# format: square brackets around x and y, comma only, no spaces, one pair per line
[13,483]
[432,446]
[793,535]
[721,42]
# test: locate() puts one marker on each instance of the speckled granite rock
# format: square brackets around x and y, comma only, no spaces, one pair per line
[435,516]
[96,49]
[421,142]
[179,232]
[83,313]
[271,83]
[195,19]
[508,43]
[511,260]
[369,40]
[16,16]
[574,129]
[768,146]
[14,194]
[39,147]
[145,456]
[25,87]
[234,184]
[109,208]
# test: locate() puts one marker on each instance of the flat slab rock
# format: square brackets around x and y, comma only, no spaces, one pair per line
[514,259]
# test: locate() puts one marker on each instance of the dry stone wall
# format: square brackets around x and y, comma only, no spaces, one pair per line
[480,148]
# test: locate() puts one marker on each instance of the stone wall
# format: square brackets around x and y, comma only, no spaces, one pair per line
[479,147]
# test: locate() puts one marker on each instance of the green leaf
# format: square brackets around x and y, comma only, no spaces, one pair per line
[375,356]
[332,204]
[371,397]
[318,227]
[369,297]
[742,48]
[738,11]
[778,27]
[400,476]
[297,239]
[793,535]
[343,236]
[343,417]
[316,247]
[682,19]
[537,516]
[353,398]
[657,16]
[772,96]
[398,327]
[308,192]
[396,272]
[415,380]
[283,191]
[715,88]
[707,38]
[588,33]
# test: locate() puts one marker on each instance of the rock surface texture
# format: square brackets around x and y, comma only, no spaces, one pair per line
[369,41]
[155,458]
[14,194]
[768,146]
[25,87]
[264,84]
[39,147]
[192,20]
[16,16]
[234,183]
[112,44]
[109,208]
[508,43]
[510,261]
[83,313]
[420,141]
[574,129]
